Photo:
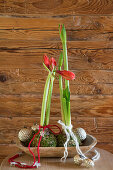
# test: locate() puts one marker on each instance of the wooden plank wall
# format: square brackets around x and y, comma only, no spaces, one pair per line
[28,29]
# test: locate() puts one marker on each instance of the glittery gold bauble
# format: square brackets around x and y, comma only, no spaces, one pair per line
[24,134]
[77,160]
[81,133]
[88,163]
[35,127]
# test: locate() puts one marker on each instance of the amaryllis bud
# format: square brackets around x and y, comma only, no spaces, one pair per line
[68,75]
[46,61]
[62,31]
[52,62]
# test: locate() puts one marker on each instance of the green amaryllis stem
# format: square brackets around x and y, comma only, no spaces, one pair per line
[61,87]
[61,98]
[65,110]
[46,88]
[65,61]
[69,115]
[63,39]
[49,100]
[68,120]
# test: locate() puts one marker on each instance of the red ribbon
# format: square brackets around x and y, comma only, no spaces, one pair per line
[22,165]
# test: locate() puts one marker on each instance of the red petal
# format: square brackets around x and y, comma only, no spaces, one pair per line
[68,75]
[46,61]
[52,62]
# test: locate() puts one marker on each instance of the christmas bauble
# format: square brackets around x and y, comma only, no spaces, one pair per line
[77,160]
[24,134]
[88,163]
[81,133]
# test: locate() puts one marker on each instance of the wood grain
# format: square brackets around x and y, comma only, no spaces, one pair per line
[30,22]
[15,6]
[83,105]
[2,6]
[51,35]
[14,44]
[39,75]
[80,59]
[58,7]
[10,87]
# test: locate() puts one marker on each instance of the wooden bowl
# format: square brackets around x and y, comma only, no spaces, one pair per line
[88,144]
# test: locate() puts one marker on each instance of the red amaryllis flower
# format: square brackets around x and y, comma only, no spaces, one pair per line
[46,61]
[68,75]
[52,62]
[49,63]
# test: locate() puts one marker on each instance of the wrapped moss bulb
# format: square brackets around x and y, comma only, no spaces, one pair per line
[61,139]
[48,139]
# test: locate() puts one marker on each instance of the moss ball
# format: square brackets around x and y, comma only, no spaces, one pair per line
[48,139]
[61,139]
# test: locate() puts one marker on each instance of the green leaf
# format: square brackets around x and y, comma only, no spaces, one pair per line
[66,94]
[69,114]
[64,109]
[44,101]
[49,100]
[60,60]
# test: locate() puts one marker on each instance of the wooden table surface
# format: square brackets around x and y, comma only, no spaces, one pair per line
[104,163]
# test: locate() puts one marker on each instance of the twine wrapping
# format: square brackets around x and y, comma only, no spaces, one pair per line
[69,133]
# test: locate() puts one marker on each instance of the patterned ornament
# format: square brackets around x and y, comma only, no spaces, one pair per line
[81,133]
[35,127]
[88,163]
[24,134]
[77,160]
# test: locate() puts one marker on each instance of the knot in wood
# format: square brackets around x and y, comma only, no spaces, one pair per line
[2,78]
